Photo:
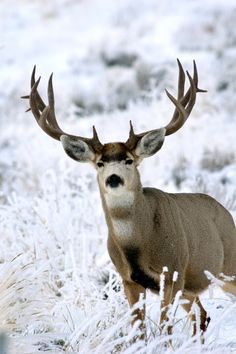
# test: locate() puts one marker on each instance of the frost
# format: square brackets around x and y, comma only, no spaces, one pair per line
[111,60]
[175,276]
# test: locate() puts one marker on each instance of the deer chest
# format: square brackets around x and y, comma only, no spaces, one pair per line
[127,263]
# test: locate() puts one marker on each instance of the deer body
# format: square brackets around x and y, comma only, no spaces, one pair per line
[148,228]
[206,241]
[188,233]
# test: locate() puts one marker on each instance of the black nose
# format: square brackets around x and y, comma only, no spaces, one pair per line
[113,181]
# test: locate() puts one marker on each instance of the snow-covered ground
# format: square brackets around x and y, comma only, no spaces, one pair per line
[112,61]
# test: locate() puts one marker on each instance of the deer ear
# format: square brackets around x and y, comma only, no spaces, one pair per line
[150,143]
[77,149]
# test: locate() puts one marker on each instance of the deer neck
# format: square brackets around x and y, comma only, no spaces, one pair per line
[122,212]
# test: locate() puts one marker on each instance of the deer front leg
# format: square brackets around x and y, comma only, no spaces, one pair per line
[133,292]
[165,302]
[170,291]
[204,320]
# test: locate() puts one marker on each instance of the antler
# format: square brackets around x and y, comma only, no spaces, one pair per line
[45,115]
[183,106]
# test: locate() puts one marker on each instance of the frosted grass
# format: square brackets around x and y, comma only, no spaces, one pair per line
[59,291]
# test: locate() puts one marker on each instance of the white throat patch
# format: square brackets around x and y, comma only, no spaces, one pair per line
[124,199]
[123,227]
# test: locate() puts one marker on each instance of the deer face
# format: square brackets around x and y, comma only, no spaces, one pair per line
[117,169]
[116,164]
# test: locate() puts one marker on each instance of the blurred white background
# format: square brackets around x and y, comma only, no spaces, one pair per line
[111,61]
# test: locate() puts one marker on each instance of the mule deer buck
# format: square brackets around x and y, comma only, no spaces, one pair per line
[148,228]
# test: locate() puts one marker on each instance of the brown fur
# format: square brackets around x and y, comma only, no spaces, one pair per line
[188,233]
[113,152]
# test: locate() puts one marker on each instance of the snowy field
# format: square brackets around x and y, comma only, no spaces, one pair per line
[112,61]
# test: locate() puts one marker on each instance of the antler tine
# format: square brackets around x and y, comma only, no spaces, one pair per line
[45,115]
[51,101]
[195,78]
[41,118]
[192,99]
[32,101]
[40,103]
[181,98]
[133,138]
[181,80]
[186,97]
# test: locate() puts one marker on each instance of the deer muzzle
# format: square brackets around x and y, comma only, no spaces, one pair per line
[114,181]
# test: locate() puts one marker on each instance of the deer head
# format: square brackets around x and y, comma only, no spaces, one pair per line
[116,163]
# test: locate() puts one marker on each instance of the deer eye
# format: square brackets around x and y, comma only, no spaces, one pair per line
[100,164]
[129,162]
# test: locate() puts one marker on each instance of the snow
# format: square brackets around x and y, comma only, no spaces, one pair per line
[111,62]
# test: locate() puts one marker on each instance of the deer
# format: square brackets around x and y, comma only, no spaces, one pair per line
[149,229]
